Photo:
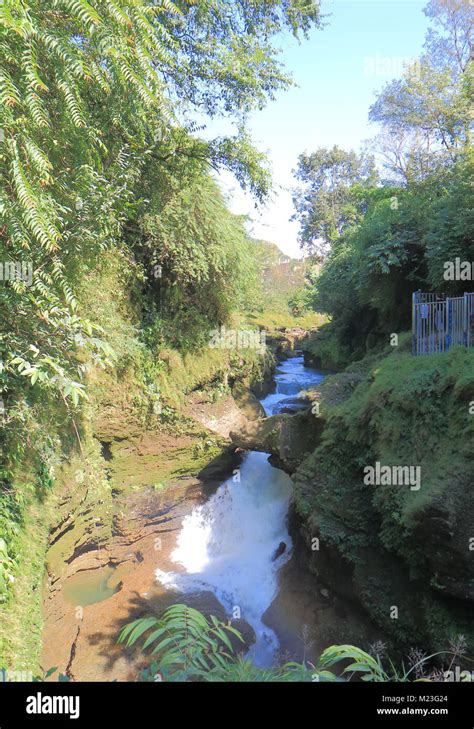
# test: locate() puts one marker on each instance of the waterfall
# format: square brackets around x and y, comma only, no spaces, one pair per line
[227,545]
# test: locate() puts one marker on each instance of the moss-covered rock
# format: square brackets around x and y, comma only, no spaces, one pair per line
[287,437]
[397,545]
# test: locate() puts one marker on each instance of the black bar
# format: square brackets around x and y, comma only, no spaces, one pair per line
[342,704]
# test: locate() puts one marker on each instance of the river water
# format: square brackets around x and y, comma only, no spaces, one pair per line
[228,545]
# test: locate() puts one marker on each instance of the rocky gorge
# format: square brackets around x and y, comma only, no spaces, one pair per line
[104,552]
[356,559]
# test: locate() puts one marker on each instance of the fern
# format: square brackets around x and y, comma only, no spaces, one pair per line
[188,646]
[80,10]
[186,642]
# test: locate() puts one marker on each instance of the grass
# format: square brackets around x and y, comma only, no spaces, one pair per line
[21,617]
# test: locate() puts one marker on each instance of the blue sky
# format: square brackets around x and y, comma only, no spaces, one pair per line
[363,45]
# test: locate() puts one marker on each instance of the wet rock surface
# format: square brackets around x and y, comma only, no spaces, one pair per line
[308,618]
[80,638]
[291,405]
[104,550]
[389,545]
[287,437]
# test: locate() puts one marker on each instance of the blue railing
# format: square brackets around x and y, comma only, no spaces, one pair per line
[440,322]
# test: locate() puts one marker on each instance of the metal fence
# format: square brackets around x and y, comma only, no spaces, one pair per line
[470,319]
[440,322]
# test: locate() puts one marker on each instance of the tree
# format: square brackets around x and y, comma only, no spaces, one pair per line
[426,115]
[201,254]
[450,233]
[405,155]
[428,101]
[90,92]
[449,43]
[95,133]
[325,203]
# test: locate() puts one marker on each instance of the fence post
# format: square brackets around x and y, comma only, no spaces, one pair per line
[449,322]
[413,322]
[465,319]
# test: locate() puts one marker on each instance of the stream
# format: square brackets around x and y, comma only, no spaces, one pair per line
[235,544]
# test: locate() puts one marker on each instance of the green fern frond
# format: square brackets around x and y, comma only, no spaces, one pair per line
[30,66]
[73,102]
[9,93]
[118,13]
[80,10]
[37,109]
[37,157]
[66,54]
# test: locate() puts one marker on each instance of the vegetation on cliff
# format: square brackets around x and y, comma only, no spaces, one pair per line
[404,553]
[397,546]
[119,255]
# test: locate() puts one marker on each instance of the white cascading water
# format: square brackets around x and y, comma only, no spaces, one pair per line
[227,545]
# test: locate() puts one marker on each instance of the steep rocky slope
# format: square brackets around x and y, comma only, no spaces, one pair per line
[406,553]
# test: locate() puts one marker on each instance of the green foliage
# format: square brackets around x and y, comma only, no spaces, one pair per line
[202,254]
[301,301]
[88,96]
[400,246]
[63,182]
[326,204]
[99,159]
[187,646]
[450,232]
[283,289]
[7,564]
